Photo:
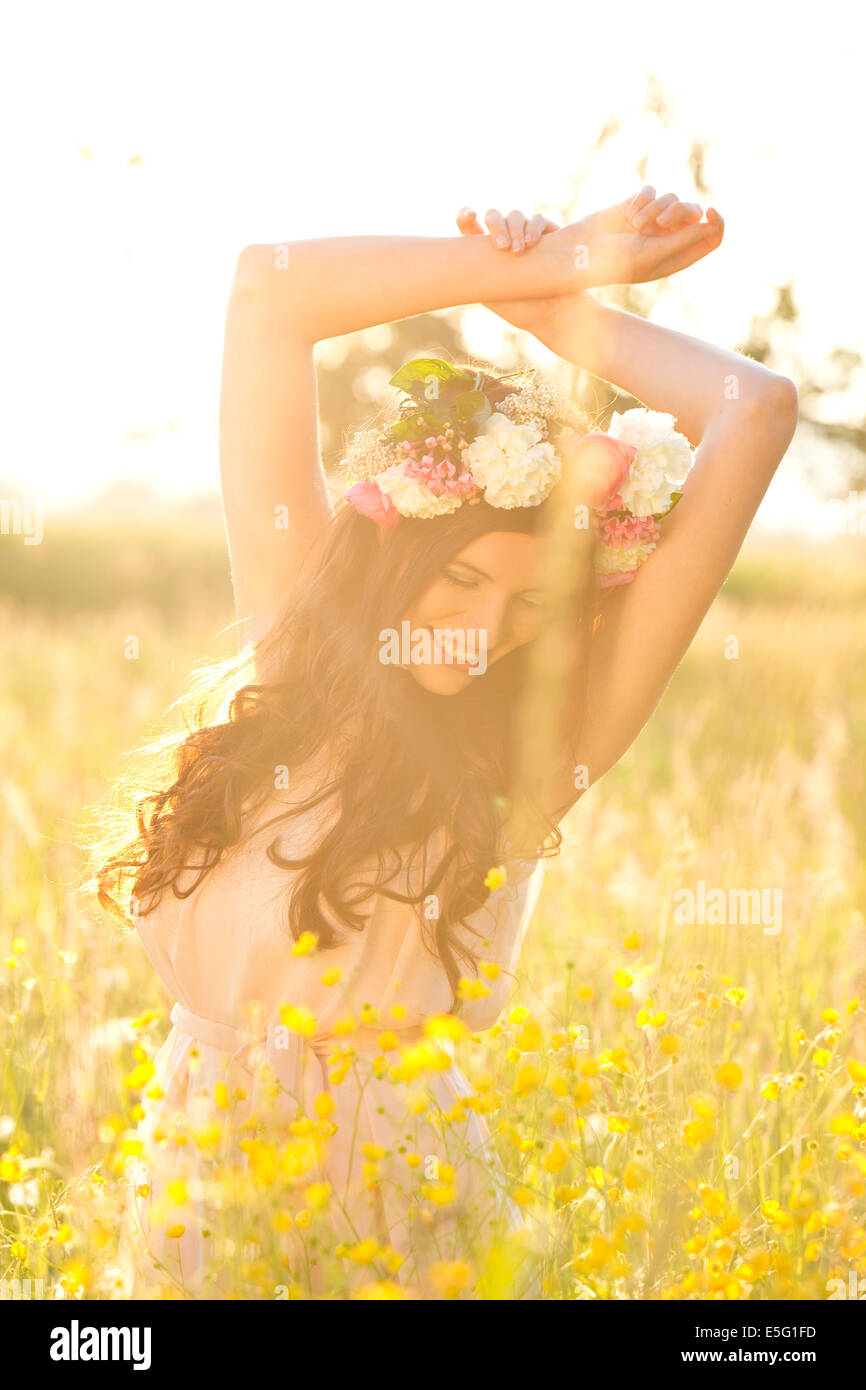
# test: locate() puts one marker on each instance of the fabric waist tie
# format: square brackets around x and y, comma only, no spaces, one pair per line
[250,1049]
[235,1041]
[209,1032]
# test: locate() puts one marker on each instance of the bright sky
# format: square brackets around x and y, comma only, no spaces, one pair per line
[267,122]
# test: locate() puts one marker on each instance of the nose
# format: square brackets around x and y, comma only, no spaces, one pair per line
[491,616]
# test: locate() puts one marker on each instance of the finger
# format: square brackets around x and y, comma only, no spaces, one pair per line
[711,230]
[537,226]
[640,200]
[685,258]
[497,228]
[517,229]
[679,215]
[467,222]
[692,243]
[650,211]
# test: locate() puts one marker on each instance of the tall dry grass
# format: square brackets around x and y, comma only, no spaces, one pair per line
[679,1108]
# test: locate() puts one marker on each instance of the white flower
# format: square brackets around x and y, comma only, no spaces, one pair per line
[616,559]
[366,455]
[660,465]
[512,464]
[412,498]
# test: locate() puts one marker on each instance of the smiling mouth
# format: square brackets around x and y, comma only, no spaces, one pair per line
[449,655]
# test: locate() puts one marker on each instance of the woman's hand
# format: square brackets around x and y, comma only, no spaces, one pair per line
[643,238]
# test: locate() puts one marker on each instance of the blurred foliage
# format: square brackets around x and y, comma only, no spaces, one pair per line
[354,371]
[176,565]
[172,561]
[750,772]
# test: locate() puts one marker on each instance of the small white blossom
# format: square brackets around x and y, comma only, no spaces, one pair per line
[412,498]
[616,559]
[660,465]
[512,464]
[366,455]
[541,402]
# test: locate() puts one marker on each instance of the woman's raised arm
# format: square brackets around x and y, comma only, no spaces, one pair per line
[742,417]
[283,300]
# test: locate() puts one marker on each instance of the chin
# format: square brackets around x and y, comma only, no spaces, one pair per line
[441,680]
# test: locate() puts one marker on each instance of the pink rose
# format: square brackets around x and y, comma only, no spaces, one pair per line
[613,581]
[369,499]
[599,461]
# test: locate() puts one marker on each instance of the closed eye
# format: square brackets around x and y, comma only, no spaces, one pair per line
[461,581]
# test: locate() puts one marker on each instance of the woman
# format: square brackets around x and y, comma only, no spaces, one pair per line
[337,876]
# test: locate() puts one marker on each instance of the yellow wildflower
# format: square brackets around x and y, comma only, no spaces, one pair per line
[450,1277]
[298,1020]
[555,1161]
[383,1291]
[445,1026]
[324,1105]
[472,989]
[496,878]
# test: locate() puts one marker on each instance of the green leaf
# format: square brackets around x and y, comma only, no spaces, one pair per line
[474,406]
[416,376]
[427,419]
[675,497]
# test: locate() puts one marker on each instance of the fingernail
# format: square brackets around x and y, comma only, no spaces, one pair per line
[502,241]
[518,246]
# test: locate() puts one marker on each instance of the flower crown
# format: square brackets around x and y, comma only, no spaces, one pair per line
[462,437]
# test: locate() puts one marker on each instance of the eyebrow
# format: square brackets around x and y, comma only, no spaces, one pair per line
[466,565]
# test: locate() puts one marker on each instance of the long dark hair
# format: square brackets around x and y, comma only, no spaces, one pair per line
[422,785]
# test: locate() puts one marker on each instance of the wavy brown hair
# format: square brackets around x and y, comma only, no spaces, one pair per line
[409,768]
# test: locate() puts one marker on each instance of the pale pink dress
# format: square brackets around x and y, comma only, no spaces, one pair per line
[226,948]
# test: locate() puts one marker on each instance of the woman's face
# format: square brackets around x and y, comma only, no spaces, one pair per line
[486,601]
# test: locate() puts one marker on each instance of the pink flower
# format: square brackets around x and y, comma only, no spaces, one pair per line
[368,499]
[600,462]
[612,581]
[626,530]
[439,475]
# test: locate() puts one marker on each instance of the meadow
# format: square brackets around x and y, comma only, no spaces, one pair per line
[680,1107]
